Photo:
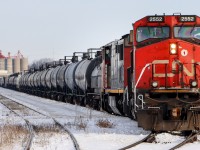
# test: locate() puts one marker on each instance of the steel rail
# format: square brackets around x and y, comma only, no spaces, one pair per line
[151,135]
[75,142]
[188,139]
[30,126]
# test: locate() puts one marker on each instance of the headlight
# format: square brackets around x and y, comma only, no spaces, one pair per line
[173,49]
[193,83]
[154,84]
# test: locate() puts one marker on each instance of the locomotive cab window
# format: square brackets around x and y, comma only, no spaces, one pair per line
[145,33]
[187,32]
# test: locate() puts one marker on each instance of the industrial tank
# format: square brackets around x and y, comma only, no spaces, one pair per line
[2,63]
[38,80]
[35,79]
[43,75]
[29,78]
[9,65]
[23,64]
[80,74]
[25,79]
[21,80]
[11,80]
[69,75]
[54,76]
[61,76]
[26,82]
[32,79]
[2,81]
[16,81]
[16,65]
[83,72]
[48,78]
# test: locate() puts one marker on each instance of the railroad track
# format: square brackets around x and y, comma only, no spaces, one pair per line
[29,125]
[190,138]
[148,138]
[151,137]
[11,105]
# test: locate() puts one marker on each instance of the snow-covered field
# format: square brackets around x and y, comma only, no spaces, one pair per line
[84,124]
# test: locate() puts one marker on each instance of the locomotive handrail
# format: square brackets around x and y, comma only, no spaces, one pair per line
[153,107]
[140,76]
[198,107]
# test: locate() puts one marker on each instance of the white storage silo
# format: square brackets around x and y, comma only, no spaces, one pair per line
[2,63]
[16,65]
[9,65]
[23,64]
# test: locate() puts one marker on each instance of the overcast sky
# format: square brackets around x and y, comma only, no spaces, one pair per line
[55,28]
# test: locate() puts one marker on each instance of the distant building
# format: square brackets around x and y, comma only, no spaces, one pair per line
[12,64]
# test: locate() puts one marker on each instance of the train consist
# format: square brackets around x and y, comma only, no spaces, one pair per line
[151,75]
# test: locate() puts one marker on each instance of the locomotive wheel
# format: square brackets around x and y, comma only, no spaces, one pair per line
[51,96]
[74,100]
[43,95]
[96,104]
[78,101]
[68,99]
[60,98]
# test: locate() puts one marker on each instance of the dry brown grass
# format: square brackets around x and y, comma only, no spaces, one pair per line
[104,123]
[80,123]
[46,128]
[45,132]
[9,134]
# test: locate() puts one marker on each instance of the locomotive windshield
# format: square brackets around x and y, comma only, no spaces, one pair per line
[187,32]
[144,33]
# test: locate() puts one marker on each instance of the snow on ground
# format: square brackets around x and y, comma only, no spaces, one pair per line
[123,132]
[51,139]
[12,119]
[82,122]
[163,141]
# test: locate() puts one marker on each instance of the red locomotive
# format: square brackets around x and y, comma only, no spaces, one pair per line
[167,72]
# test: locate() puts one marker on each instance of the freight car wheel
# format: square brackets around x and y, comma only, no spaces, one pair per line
[70,99]
[60,98]
[87,102]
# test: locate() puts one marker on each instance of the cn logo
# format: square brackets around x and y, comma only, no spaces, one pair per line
[174,63]
[184,52]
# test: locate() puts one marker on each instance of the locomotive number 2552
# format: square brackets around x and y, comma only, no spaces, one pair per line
[156,19]
[187,19]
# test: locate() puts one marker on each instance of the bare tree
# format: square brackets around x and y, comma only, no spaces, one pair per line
[36,63]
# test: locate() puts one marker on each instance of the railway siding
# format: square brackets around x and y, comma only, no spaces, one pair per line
[30,116]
